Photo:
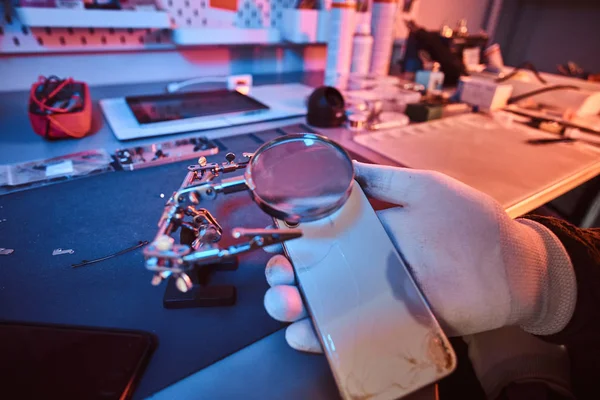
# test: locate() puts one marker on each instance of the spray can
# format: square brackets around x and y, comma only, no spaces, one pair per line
[432,79]
[339,43]
[362,43]
[382,26]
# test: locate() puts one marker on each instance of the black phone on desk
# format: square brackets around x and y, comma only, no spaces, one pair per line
[39,361]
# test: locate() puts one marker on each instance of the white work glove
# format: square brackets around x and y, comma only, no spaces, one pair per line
[478,268]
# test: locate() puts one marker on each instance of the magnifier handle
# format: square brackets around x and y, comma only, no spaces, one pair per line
[231,185]
[266,237]
[260,238]
[274,235]
[209,190]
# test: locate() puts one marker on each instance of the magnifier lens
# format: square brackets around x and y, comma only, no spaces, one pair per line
[301,177]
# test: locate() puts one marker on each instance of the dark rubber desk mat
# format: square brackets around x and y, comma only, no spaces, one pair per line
[104,214]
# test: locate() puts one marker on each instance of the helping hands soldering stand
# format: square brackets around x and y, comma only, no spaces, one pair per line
[187,265]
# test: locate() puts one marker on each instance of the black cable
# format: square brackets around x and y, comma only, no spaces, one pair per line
[86,262]
[525,65]
[550,140]
[540,91]
[566,124]
[42,93]
[48,86]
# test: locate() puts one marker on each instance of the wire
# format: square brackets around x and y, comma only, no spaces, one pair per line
[177,86]
[540,91]
[525,65]
[566,124]
[57,89]
[86,262]
[41,103]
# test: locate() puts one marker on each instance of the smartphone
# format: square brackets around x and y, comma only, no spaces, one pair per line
[39,361]
[378,333]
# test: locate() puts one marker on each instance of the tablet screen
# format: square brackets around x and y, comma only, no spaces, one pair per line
[177,106]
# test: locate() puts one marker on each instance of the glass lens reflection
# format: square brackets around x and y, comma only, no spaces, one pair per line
[303,177]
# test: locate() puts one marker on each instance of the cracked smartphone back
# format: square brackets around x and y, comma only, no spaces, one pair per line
[378,333]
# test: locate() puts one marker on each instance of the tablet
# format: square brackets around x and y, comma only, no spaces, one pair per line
[178,106]
[134,117]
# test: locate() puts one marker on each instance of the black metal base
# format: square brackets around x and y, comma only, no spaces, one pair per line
[202,294]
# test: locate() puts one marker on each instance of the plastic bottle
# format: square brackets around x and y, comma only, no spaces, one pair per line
[382,26]
[433,79]
[339,43]
[362,45]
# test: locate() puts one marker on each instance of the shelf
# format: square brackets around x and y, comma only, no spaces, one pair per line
[63,18]
[220,36]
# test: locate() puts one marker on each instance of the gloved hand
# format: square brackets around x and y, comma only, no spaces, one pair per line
[478,268]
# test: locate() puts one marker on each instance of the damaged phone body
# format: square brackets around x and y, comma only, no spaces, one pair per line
[378,333]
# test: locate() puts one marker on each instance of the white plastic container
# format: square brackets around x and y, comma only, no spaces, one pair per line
[382,26]
[433,79]
[362,46]
[494,57]
[304,26]
[339,42]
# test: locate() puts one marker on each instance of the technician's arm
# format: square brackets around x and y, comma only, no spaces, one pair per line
[583,247]
[512,365]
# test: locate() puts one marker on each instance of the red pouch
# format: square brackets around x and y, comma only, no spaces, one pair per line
[60,109]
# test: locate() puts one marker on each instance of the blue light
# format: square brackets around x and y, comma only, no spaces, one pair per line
[309,142]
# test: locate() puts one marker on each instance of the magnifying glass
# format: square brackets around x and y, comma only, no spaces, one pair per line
[300,178]
[294,178]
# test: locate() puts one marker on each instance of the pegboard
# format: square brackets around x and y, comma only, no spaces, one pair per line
[256,14]
[18,38]
[262,13]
